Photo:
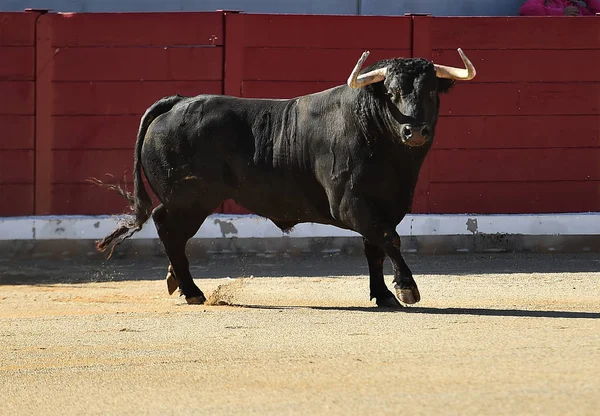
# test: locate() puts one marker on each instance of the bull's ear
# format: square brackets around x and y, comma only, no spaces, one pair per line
[445,85]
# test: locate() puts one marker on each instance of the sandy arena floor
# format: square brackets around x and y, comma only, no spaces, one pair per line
[493,335]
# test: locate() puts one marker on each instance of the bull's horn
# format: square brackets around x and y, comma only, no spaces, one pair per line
[461,74]
[359,81]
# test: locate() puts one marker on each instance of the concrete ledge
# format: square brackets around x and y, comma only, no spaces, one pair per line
[252,226]
[249,234]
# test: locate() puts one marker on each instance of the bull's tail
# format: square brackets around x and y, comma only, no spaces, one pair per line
[139,202]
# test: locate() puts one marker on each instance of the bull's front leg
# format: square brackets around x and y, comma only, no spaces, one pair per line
[359,216]
[406,287]
[379,291]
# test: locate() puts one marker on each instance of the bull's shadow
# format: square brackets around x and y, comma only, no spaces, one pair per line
[523,313]
[504,312]
[82,270]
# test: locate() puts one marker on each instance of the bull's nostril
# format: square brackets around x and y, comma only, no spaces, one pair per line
[425,131]
[407,132]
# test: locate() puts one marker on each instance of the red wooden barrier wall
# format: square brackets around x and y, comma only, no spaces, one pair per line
[524,135]
[17,109]
[97,74]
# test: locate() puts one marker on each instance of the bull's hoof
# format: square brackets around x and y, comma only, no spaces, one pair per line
[408,296]
[195,300]
[390,302]
[172,284]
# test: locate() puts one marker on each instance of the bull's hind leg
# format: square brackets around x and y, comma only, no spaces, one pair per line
[171,280]
[175,227]
[379,291]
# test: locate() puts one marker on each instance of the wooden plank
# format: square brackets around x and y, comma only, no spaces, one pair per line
[86,199]
[421,37]
[16,166]
[17,63]
[514,197]
[105,98]
[18,200]
[515,165]
[516,33]
[327,31]
[17,97]
[75,166]
[17,29]
[295,64]
[137,63]
[421,196]
[561,98]
[95,132]
[17,132]
[234,62]
[44,97]
[489,132]
[277,89]
[143,29]
[558,98]
[467,99]
[527,65]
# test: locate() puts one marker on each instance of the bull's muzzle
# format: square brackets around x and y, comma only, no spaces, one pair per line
[415,135]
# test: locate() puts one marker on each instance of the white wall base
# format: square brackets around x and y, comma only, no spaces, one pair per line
[251,226]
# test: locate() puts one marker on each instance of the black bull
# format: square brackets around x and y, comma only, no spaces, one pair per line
[349,156]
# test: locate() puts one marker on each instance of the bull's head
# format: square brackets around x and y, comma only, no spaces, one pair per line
[413,87]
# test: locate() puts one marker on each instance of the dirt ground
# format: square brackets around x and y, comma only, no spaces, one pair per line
[504,334]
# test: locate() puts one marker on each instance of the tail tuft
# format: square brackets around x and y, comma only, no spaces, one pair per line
[114,239]
[120,189]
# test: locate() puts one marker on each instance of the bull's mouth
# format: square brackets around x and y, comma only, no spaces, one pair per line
[415,142]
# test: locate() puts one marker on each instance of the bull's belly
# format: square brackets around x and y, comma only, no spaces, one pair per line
[286,207]
[286,195]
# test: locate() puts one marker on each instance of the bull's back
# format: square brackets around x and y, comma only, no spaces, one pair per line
[208,127]
[233,147]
